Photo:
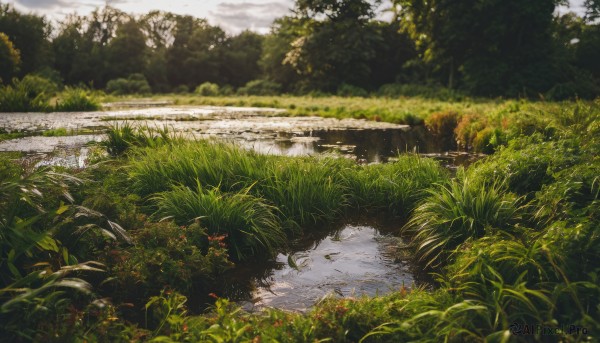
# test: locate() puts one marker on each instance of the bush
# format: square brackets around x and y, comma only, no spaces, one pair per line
[442,126]
[182,258]
[347,90]
[76,99]
[31,94]
[467,129]
[181,89]
[207,89]
[260,87]
[453,214]
[134,84]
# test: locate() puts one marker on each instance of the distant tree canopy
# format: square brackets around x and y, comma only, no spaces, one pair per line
[483,47]
[10,59]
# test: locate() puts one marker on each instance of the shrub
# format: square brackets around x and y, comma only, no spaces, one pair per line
[31,94]
[181,89]
[76,99]
[442,126]
[260,87]
[467,129]
[134,84]
[207,89]
[181,258]
[347,90]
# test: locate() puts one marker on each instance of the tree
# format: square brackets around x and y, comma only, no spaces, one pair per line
[9,59]
[592,10]
[495,46]
[275,47]
[30,35]
[126,52]
[240,59]
[195,55]
[336,49]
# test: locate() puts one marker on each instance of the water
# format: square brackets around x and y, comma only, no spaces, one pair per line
[264,130]
[352,261]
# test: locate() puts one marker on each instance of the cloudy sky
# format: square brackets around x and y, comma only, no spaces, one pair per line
[231,15]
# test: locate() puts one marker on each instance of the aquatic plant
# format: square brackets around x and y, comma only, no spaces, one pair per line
[394,187]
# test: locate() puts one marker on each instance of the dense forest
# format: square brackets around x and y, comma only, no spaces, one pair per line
[493,48]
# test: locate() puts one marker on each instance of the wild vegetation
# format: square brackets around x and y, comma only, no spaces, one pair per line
[134,247]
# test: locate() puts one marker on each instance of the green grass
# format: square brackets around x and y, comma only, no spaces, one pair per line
[76,100]
[250,225]
[512,239]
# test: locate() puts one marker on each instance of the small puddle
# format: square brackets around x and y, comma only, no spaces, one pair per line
[353,261]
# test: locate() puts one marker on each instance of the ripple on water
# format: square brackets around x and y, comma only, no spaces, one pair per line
[354,261]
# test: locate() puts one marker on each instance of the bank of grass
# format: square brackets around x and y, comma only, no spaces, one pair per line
[201,179]
[401,110]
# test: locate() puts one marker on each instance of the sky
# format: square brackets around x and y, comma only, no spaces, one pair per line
[232,15]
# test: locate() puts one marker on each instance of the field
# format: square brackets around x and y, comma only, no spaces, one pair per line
[134,247]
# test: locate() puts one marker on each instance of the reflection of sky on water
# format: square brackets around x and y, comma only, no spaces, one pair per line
[353,261]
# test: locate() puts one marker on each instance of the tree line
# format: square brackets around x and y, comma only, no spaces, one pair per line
[480,47]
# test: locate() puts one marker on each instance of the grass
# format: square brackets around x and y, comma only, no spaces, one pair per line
[250,225]
[513,240]
[455,213]
[76,100]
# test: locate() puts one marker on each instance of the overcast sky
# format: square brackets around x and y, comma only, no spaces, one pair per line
[231,15]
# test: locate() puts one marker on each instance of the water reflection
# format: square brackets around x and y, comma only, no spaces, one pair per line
[352,261]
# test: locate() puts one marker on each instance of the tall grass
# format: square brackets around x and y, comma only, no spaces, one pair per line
[123,136]
[306,190]
[74,100]
[395,187]
[251,225]
[452,214]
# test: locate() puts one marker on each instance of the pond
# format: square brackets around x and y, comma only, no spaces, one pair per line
[350,261]
[262,129]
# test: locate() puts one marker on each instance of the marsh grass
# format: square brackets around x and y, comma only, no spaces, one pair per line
[123,136]
[251,226]
[76,100]
[455,213]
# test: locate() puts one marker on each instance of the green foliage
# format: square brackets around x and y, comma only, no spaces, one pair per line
[134,84]
[121,137]
[394,90]
[60,132]
[10,59]
[75,100]
[251,226]
[442,126]
[453,214]
[260,87]
[396,187]
[347,90]
[207,89]
[31,94]
[181,258]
